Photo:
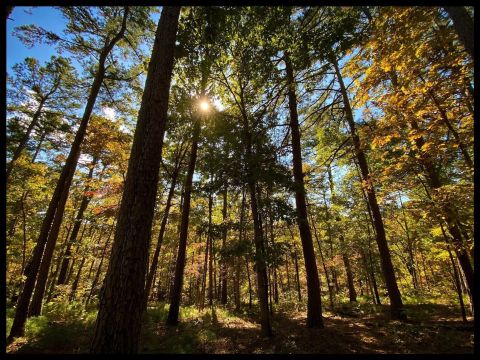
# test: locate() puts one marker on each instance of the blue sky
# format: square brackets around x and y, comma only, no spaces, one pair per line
[44,16]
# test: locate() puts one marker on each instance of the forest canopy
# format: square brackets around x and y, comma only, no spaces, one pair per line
[211,179]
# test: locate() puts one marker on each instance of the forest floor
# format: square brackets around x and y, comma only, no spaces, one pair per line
[350,329]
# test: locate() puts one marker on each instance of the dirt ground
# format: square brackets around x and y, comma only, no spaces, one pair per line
[430,329]
[441,332]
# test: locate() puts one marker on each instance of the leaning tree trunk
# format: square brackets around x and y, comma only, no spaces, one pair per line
[396,305]
[118,324]
[172,317]
[63,185]
[463,24]
[76,228]
[314,300]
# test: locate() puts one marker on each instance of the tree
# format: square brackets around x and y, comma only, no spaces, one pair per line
[314,312]
[52,90]
[53,217]
[172,318]
[463,24]
[121,303]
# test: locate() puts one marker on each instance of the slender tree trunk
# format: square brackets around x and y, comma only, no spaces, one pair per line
[172,318]
[463,24]
[249,285]
[77,280]
[210,259]
[224,241]
[204,274]
[99,269]
[240,239]
[314,300]
[36,303]
[297,276]
[458,287]
[163,226]
[348,269]
[76,227]
[327,278]
[121,305]
[396,305]
[63,185]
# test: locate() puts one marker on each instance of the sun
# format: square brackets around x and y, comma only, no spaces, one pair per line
[204,105]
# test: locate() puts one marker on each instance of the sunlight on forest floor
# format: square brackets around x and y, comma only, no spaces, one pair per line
[430,329]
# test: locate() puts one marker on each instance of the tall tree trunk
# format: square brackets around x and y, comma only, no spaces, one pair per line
[348,269]
[77,280]
[327,278]
[396,305]
[210,259]
[99,269]
[172,318]
[314,300]
[249,284]
[163,226]
[120,312]
[297,275]
[224,241]
[458,287]
[240,239]
[204,274]
[463,24]
[76,228]
[61,190]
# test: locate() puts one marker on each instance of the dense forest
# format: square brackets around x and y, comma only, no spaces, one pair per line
[241,180]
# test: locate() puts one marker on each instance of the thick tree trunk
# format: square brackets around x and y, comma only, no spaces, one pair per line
[396,305]
[120,312]
[463,24]
[314,300]
[172,318]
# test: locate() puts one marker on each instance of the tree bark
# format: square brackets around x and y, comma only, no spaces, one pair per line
[463,24]
[396,305]
[99,269]
[163,226]
[314,300]
[120,312]
[76,227]
[63,186]
[224,241]
[172,317]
